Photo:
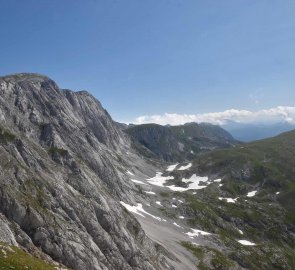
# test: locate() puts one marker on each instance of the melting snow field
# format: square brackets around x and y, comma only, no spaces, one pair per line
[229,200]
[139,210]
[159,180]
[193,182]
[182,168]
[246,243]
[196,233]
[171,168]
[252,193]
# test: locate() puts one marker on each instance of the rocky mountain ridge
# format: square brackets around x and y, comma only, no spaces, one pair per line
[62,175]
[179,143]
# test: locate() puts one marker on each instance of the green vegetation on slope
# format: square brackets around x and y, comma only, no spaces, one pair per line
[267,164]
[6,136]
[217,260]
[15,258]
[267,219]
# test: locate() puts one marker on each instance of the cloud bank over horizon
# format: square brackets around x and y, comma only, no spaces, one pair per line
[272,115]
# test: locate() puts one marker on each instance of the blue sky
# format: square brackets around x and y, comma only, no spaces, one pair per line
[155,56]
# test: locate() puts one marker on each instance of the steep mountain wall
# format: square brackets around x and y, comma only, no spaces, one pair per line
[63,170]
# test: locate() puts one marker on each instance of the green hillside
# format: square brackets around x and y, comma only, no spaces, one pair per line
[15,258]
[266,218]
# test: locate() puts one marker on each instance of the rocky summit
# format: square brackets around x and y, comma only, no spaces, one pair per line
[80,191]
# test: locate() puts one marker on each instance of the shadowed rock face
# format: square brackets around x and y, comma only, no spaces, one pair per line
[63,163]
[178,143]
[158,139]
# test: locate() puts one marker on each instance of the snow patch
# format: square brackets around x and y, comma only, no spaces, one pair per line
[252,193]
[171,167]
[132,208]
[197,233]
[159,203]
[175,224]
[217,180]
[277,193]
[181,217]
[185,167]
[193,182]
[159,180]
[150,192]
[174,188]
[139,210]
[229,200]
[246,243]
[240,232]
[174,206]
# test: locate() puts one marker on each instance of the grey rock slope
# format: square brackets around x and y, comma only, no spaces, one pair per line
[63,172]
[179,143]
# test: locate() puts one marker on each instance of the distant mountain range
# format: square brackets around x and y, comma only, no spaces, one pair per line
[243,132]
[247,132]
[178,143]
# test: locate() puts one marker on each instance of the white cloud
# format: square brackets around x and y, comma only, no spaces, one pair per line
[280,113]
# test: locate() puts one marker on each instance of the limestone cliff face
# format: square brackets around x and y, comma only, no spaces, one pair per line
[63,171]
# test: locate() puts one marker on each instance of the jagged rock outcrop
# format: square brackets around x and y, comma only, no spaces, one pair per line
[63,171]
